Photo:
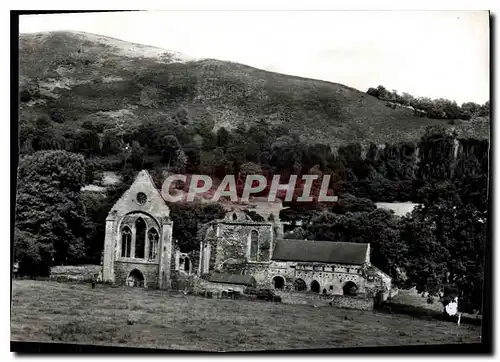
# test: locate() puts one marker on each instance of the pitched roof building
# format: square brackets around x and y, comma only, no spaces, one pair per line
[321,251]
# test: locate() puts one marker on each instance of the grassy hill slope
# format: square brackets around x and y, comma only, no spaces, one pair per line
[91,77]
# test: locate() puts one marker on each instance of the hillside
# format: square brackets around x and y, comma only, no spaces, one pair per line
[91,77]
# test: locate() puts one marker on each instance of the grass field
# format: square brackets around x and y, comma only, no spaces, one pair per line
[75,313]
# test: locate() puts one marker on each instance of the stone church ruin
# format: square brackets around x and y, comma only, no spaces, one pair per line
[139,251]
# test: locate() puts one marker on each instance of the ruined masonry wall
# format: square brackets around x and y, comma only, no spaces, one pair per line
[233,241]
[150,272]
[303,298]
[332,281]
[338,301]
[352,303]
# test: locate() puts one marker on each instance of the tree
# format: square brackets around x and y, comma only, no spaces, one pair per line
[213,163]
[436,154]
[382,92]
[254,216]
[111,143]
[373,92]
[286,154]
[50,216]
[484,110]
[88,141]
[237,150]
[446,240]
[34,257]
[471,107]
[57,115]
[172,154]
[349,203]
[97,207]
[41,135]
[30,91]
[136,156]
[426,265]
[316,154]
[187,218]
[223,137]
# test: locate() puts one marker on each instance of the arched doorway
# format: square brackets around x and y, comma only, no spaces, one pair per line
[135,279]
[315,286]
[299,285]
[187,265]
[278,282]
[350,288]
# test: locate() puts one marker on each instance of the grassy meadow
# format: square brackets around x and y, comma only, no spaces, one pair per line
[44,311]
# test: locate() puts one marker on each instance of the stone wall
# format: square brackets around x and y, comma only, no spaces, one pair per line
[352,302]
[75,272]
[219,287]
[148,270]
[377,282]
[213,254]
[233,241]
[331,277]
[262,272]
[303,298]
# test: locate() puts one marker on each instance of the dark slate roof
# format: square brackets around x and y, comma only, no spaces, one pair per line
[232,279]
[320,251]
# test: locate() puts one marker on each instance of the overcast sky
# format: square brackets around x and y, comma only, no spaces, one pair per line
[434,54]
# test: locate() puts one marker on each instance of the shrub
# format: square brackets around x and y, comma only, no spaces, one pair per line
[57,115]
[25,96]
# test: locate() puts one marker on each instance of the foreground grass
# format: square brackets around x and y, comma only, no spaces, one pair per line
[75,313]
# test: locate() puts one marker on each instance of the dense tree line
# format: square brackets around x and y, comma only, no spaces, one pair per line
[389,172]
[433,108]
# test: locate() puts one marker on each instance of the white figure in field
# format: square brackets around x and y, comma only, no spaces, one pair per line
[452,307]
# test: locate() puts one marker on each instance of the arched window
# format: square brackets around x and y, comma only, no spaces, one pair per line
[140,238]
[235,217]
[350,288]
[315,286]
[254,245]
[300,285]
[126,242]
[153,243]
